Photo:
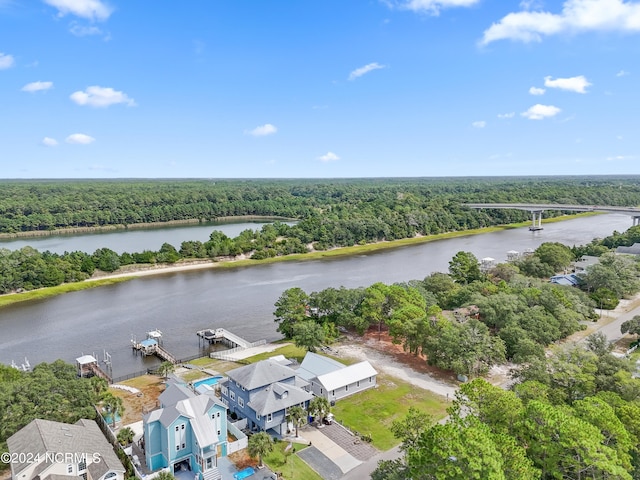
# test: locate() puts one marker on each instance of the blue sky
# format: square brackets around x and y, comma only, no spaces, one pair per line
[318,88]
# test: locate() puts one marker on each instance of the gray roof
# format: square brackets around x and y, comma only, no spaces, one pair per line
[260,374]
[277,397]
[174,393]
[195,410]
[632,250]
[314,365]
[42,436]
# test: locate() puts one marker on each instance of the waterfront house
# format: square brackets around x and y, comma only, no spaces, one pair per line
[188,432]
[48,450]
[262,392]
[333,380]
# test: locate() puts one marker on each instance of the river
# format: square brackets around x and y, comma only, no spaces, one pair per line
[240,300]
[134,240]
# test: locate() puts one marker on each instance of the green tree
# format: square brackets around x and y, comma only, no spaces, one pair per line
[165,369]
[631,326]
[296,415]
[291,308]
[410,428]
[309,335]
[554,254]
[464,268]
[125,436]
[260,444]
[113,405]
[165,475]
[319,407]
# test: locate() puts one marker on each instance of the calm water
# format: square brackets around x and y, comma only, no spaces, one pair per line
[121,241]
[240,300]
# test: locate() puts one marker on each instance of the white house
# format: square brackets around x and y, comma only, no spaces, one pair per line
[333,380]
[53,451]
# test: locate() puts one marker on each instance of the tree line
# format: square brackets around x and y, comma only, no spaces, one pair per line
[465,320]
[332,213]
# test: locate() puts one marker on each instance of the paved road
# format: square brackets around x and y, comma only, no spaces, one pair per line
[612,329]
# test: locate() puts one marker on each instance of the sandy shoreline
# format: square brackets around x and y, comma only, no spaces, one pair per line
[158,269]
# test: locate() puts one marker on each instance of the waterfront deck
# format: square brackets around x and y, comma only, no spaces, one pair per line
[152,345]
[220,335]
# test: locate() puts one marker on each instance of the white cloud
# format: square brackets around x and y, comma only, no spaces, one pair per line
[617,158]
[358,72]
[538,112]
[433,7]
[573,84]
[79,139]
[507,115]
[263,130]
[48,142]
[96,96]
[37,86]
[479,124]
[6,61]
[622,73]
[536,91]
[83,31]
[576,16]
[328,157]
[89,9]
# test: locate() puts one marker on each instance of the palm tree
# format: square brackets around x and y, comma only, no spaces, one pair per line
[166,368]
[164,475]
[113,405]
[260,444]
[296,415]
[125,436]
[319,407]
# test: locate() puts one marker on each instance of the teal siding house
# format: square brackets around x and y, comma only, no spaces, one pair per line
[188,432]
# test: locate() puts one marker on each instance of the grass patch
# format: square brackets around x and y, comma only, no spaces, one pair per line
[43,293]
[202,361]
[290,351]
[372,412]
[295,468]
[193,375]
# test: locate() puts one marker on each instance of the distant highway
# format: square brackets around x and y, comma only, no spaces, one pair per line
[541,207]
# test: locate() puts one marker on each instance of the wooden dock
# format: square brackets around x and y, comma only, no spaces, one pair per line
[152,345]
[220,335]
[87,366]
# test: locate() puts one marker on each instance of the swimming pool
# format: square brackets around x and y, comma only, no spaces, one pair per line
[247,472]
[207,381]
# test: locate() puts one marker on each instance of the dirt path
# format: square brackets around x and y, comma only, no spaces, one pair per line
[386,357]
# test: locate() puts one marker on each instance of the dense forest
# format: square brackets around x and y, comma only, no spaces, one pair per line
[330,213]
[573,410]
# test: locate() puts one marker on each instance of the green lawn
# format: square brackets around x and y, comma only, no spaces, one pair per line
[371,412]
[294,468]
[290,351]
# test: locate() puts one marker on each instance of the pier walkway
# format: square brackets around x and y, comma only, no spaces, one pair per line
[220,335]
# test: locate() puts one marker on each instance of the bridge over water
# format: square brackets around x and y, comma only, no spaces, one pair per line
[536,210]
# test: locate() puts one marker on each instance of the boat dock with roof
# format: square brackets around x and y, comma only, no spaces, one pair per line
[152,345]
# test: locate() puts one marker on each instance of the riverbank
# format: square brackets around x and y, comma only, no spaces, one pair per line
[141,226]
[139,270]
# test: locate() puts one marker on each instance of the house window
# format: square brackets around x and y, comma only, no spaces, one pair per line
[346,388]
[241,402]
[218,414]
[269,417]
[232,396]
[370,379]
[225,391]
[321,391]
[82,465]
[358,383]
[258,417]
[69,469]
[225,401]
[333,392]
[218,432]
[180,437]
